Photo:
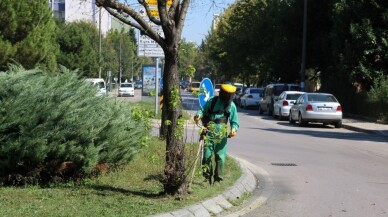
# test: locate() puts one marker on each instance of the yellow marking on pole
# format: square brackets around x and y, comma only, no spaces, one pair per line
[161,101]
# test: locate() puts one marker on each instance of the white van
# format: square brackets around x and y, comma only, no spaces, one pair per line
[100,83]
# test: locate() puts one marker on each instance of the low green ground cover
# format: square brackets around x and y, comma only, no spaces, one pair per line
[132,190]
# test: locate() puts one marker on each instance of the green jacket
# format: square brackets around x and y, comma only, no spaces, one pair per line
[219,106]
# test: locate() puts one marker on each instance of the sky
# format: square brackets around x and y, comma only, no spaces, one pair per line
[199,18]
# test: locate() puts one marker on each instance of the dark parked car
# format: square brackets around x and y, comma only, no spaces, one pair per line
[138,84]
[271,94]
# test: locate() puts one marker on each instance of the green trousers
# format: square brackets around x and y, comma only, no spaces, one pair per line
[219,151]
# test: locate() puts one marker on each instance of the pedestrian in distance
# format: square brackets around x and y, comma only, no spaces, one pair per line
[215,115]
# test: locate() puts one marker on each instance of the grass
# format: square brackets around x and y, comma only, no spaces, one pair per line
[132,190]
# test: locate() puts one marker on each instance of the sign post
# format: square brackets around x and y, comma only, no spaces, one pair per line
[156,86]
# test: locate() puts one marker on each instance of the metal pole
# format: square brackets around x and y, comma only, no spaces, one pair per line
[303,66]
[132,70]
[120,64]
[99,43]
[156,86]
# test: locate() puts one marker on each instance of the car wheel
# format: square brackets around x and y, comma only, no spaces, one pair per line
[260,110]
[290,119]
[338,124]
[302,123]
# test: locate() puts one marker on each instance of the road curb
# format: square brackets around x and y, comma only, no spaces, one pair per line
[247,183]
[363,130]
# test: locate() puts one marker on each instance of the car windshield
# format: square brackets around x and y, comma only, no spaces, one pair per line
[126,85]
[195,84]
[277,90]
[293,96]
[321,98]
[101,84]
[139,82]
[256,91]
[218,86]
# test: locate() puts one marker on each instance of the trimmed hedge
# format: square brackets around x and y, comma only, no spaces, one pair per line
[56,128]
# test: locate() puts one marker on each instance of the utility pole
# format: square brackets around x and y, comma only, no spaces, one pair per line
[132,69]
[303,65]
[120,63]
[99,43]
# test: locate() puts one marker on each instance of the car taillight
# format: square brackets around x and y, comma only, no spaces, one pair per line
[309,108]
[339,108]
[250,96]
[285,103]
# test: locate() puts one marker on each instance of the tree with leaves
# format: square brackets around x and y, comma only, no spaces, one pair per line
[27,34]
[119,53]
[170,17]
[188,54]
[79,47]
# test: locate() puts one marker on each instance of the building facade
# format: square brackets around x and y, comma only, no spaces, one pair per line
[75,10]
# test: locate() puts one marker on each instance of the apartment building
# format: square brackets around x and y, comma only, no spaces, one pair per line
[73,10]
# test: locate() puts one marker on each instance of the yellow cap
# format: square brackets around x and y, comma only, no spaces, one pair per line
[228,88]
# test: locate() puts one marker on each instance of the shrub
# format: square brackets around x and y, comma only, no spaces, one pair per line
[378,96]
[55,128]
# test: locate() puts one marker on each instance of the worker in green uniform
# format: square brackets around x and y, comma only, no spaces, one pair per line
[215,115]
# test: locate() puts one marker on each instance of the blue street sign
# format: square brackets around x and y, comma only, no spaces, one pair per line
[161,83]
[206,91]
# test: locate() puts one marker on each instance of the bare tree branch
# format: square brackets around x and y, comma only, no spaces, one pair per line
[122,8]
[149,14]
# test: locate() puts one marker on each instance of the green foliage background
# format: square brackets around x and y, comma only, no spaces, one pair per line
[49,120]
[27,34]
[259,42]
[78,43]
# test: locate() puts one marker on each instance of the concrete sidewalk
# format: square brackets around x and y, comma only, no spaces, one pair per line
[248,183]
[365,126]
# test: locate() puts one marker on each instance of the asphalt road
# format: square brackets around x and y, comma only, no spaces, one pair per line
[313,171]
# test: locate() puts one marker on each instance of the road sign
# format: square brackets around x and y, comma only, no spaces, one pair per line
[206,91]
[149,51]
[155,2]
[161,83]
[153,11]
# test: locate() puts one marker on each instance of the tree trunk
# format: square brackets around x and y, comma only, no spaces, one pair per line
[174,173]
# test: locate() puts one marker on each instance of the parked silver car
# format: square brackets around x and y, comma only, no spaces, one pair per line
[251,97]
[316,107]
[283,104]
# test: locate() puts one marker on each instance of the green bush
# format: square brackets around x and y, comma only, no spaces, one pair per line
[378,96]
[56,128]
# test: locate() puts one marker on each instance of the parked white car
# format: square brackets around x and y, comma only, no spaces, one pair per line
[126,89]
[251,97]
[284,102]
[100,85]
[271,94]
[316,107]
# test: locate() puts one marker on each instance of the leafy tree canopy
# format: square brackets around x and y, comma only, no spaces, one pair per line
[27,34]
